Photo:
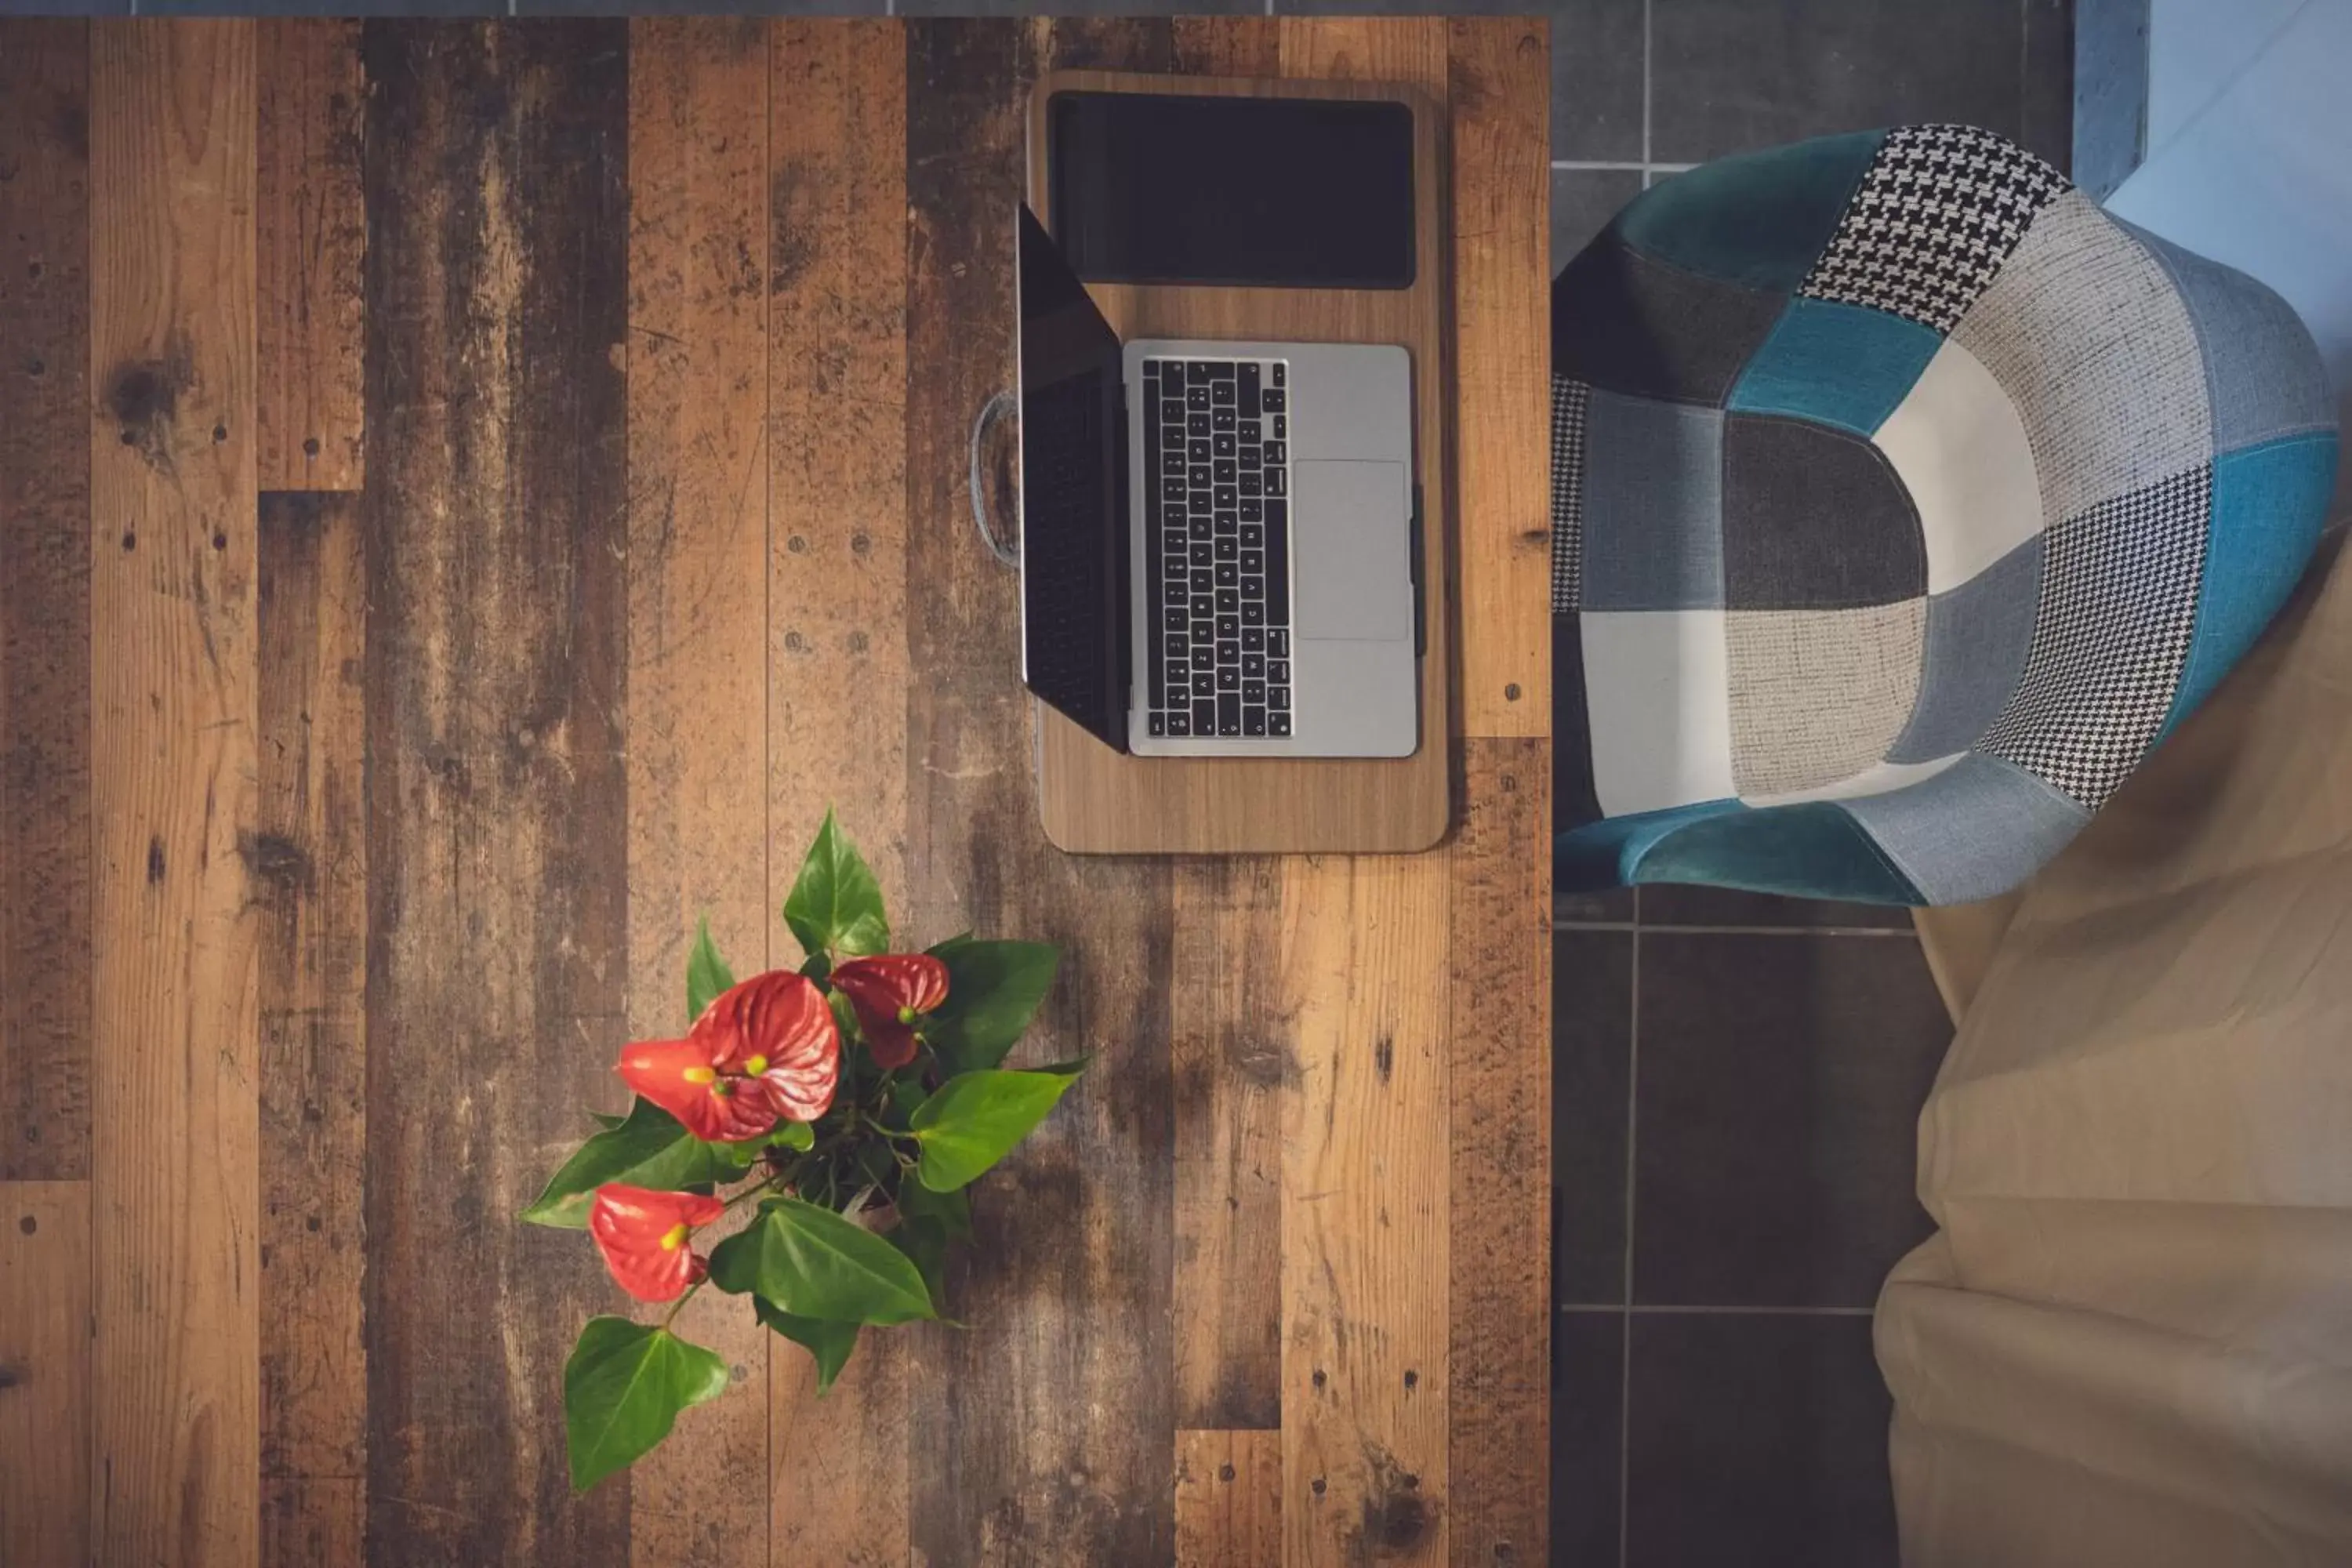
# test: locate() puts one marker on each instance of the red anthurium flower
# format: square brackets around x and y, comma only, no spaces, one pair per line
[887,992]
[642,1235]
[763,1051]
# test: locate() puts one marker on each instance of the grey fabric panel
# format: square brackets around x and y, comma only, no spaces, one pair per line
[2262,372]
[1814,519]
[1624,321]
[2087,334]
[1974,831]
[1652,513]
[1977,636]
[1817,695]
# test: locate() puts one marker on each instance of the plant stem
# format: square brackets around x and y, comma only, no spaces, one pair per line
[681,1301]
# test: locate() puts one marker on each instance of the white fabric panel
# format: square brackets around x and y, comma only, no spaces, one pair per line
[1876,779]
[1959,448]
[1657,684]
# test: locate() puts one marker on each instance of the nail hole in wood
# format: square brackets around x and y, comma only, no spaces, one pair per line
[220,433]
[1511,692]
[310,446]
[130,540]
[28,1224]
[1224,1472]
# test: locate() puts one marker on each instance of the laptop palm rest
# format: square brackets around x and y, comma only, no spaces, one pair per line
[1352,578]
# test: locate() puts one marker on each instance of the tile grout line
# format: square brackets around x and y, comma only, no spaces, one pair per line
[1647,169]
[1622,165]
[1626,1326]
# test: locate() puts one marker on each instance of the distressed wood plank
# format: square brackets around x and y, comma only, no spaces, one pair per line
[1228,1500]
[45,827]
[1227,45]
[497,539]
[174,1358]
[313,245]
[1049,1437]
[308,858]
[1365,1248]
[45,1411]
[835,255]
[1103,43]
[698,367]
[1232,1067]
[1500,95]
[1499,1077]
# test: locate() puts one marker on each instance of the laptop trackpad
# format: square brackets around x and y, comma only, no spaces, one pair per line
[1351,569]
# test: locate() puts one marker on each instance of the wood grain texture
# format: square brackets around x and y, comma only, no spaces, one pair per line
[176,1358]
[835,257]
[44,782]
[1498,1076]
[1365,1245]
[698,386]
[1227,45]
[313,246]
[308,860]
[1228,1500]
[1047,1438]
[45,1411]
[497,543]
[1094,800]
[1499,87]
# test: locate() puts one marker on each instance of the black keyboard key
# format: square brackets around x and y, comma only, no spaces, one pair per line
[1253,561]
[1254,614]
[1172,374]
[1251,432]
[1200,632]
[1221,393]
[1220,472]
[1278,431]
[1228,651]
[1199,507]
[1229,582]
[1200,556]
[1196,451]
[1252,667]
[1224,442]
[1246,377]
[1204,683]
[1227,548]
[1203,582]
[1179,726]
[1277,644]
[1223,419]
[1226,526]
[1276,452]
[1224,497]
[1252,691]
[1204,716]
[1279,367]
[1200,476]
[1252,459]
[1171,409]
[1278,724]
[1160,723]
[1198,370]
[1276,482]
[1227,627]
[1175,622]
[1278,567]
[1254,639]
[1252,587]
[1171,462]
[1180,669]
[1228,678]
[1273,400]
[1253,536]
[1253,510]
[1278,672]
[1196,398]
[1176,645]
[1277,696]
[1253,720]
[1254,485]
[1172,487]
[1229,713]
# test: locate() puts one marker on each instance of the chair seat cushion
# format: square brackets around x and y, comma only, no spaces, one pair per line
[1902,499]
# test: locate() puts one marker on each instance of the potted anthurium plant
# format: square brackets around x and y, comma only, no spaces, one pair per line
[808,1144]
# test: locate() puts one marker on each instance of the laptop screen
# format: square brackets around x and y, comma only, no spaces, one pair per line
[1075,615]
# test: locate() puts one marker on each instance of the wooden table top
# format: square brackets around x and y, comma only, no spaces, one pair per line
[471,494]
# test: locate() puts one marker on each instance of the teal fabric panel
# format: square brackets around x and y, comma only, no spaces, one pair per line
[1603,854]
[1759,219]
[1834,364]
[2270,503]
[1811,850]
[1973,831]
[1652,536]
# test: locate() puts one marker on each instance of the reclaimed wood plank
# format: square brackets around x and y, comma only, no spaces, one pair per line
[313,244]
[1228,45]
[496,541]
[1103,43]
[44,565]
[308,859]
[1365,1244]
[1499,1077]
[1500,94]
[44,1410]
[698,368]
[836,256]
[1228,1500]
[1048,1437]
[174,1184]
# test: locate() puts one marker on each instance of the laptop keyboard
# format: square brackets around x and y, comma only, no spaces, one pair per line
[1216,445]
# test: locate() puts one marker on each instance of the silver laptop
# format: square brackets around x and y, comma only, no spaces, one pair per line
[1219,540]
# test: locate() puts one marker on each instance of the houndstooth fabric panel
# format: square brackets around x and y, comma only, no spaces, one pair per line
[2111,631]
[1938,210]
[1569,401]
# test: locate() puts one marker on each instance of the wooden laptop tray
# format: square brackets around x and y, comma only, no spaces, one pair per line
[1095,801]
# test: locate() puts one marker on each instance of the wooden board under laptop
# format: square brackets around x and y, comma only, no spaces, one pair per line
[1094,800]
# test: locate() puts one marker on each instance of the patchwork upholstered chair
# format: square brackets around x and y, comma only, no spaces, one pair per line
[1902,499]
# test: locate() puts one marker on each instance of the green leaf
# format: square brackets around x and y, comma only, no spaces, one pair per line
[816,966]
[623,1389]
[812,1263]
[796,1135]
[647,1148]
[976,1118]
[993,990]
[925,1243]
[830,1343]
[835,907]
[707,974]
[951,1210]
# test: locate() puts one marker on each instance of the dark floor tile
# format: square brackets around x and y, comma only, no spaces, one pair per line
[2046,109]
[1587,1393]
[1592,1059]
[1756,1440]
[1779,1081]
[1672,904]
[1729,76]
[1582,203]
[1611,905]
[1596,81]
